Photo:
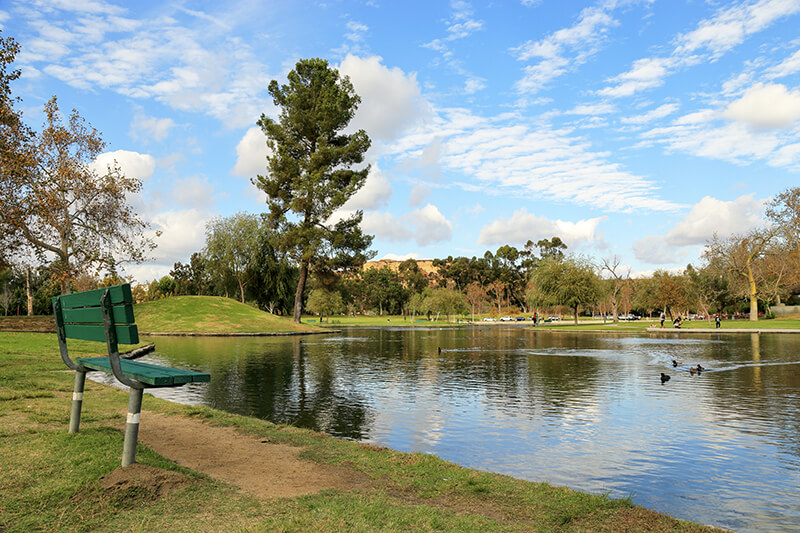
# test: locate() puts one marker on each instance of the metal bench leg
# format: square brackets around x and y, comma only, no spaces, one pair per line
[132,427]
[77,401]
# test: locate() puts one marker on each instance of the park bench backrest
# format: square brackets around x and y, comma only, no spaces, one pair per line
[80,316]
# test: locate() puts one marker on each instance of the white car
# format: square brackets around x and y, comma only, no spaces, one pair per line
[489,319]
[506,319]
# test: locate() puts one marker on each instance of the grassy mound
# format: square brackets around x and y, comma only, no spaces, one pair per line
[208,314]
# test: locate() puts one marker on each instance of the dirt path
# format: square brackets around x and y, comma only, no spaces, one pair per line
[259,467]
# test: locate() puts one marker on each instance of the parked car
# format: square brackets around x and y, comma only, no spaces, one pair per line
[506,319]
[628,317]
[520,318]
[553,318]
[489,319]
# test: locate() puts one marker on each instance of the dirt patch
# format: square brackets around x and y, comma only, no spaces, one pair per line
[257,466]
[143,480]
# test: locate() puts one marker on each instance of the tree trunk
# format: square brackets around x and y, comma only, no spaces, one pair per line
[753,293]
[241,290]
[28,290]
[298,296]
[576,315]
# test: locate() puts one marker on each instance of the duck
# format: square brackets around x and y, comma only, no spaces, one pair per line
[675,363]
[696,369]
[664,377]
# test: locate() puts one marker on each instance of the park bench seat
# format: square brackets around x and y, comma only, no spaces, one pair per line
[153,375]
[106,315]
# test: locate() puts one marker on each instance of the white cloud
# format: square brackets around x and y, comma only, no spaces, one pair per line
[644,74]
[524,226]
[786,156]
[654,114]
[375,193]
[185,67]
[474,84]
[476,209]
[711,216]
[386,226]
[770,106]
[425,226]
[654,250]
[731,25]
[733,142]
[145,128]
[391,101]
[431,225]
[787,67]
[86,6]
[563,50]
[183,232]
[463,29]
[592,109]
[251,154]
[132,164]
[461,22]
[711,39]
[707,217]
[418,195]
[193,192]
[532,161]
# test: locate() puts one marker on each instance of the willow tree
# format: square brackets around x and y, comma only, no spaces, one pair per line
[571,281]
[231,247]
[309,172]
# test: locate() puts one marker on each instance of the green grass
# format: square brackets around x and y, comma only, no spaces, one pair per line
[209,314]
[50,479]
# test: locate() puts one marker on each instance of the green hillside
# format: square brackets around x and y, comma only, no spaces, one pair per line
[209,314]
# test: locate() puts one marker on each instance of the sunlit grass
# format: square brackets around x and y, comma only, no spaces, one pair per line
[209,314]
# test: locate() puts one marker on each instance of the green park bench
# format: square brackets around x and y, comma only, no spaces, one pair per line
[107,315]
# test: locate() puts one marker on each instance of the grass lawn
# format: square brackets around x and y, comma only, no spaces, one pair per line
[51,480]
[209,314]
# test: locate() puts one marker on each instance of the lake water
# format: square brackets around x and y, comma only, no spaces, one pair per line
[587,411]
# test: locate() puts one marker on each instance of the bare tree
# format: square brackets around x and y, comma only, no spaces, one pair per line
[743,259]
[620,276]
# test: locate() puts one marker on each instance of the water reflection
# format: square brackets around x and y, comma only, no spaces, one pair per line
[580,410]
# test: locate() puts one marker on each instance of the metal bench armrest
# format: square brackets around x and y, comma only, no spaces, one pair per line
[111,342]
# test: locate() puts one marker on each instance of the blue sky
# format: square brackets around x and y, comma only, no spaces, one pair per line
[628,128]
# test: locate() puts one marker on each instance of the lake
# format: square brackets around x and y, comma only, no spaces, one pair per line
[583,410]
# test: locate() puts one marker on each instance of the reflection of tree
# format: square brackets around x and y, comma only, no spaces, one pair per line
[761,399]
[287,382]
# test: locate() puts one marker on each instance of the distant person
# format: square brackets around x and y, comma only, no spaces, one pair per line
[677,322]
[717,320]
[663,318]
[535,319]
